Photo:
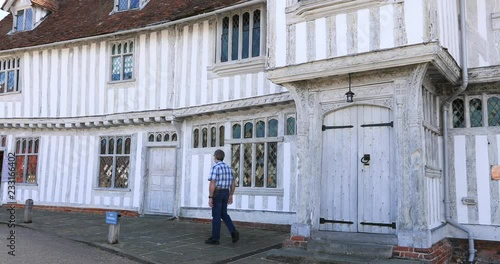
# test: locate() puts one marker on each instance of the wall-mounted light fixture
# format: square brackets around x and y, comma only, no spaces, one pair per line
[349,94]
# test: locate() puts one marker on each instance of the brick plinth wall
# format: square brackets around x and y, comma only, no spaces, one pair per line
[439,253]
[486,251]
[75,209]
[296,242]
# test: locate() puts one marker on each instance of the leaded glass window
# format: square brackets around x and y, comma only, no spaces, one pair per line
[273,128]
[476,113]
[240,35]
[290,126]
[249,130]
[127,4]
[114,162]
[237,131]
[254,157]
[203,137]
[213,136]
[221,136]
[24,20]
[26,160]
[204,133]
[9,75]
[196,138]
[3,141]
[261,129]
[494,111]
[122,61]
[458,113]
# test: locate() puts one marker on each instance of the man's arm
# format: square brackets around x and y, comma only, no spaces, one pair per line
[211,191]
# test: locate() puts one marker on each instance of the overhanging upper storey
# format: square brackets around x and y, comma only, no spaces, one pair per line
[442,64]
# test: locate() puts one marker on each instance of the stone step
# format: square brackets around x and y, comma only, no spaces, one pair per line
[298,255]
[381,239]
[350,248]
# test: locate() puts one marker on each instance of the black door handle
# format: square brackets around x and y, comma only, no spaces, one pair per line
[366,159]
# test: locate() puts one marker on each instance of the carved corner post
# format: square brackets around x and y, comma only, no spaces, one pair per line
[308,159]
[413,229]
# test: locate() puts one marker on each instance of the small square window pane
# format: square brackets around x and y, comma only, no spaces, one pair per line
[259,165]
[476,113]
[2,82]
[128,67]
[134,4]
[247,165]
[117,65]
[31,172]
[11,81]
[235,162]
[494,111]
[19,171]
[122,172]
[105,171]
[122,5]
[20,20]
[29,19]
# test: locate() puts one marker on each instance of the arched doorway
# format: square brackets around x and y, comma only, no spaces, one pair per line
[357,182]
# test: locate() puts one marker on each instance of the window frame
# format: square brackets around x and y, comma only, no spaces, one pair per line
[140,5]
[16,20]
[254,141]
[240,65]
[466,100]
[120,44]
[114,156]
[6,66]
[219,127]
[26,154]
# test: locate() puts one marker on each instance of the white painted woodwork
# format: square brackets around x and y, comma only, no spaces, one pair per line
[170,71]
[160,192]
[350,190]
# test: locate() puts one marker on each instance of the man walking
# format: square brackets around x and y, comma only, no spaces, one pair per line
[220,194]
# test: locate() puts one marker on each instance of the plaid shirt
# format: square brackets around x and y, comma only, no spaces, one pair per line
[222,174]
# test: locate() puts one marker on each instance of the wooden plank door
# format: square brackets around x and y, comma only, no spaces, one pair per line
[339,194]
[160,191]
[356,195]
[376,209]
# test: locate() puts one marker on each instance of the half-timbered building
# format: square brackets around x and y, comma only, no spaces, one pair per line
[343,119]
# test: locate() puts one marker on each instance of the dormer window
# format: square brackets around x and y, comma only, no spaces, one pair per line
[24,20]
[124,5]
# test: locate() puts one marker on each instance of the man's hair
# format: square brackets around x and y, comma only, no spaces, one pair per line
[219,155]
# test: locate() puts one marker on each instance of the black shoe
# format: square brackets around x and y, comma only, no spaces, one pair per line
[211,242]
[236,236]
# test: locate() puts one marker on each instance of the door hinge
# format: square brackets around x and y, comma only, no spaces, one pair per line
[391,225]
[323,221]
[334,127]
[391,124]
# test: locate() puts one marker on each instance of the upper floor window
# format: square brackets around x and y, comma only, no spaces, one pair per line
[122,61]
[114,162]
[123,5]
[24,20]
[475,110]
[9,76]
[26,160]
[240,35]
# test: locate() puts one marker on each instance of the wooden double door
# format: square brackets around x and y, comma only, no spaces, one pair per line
[357,181]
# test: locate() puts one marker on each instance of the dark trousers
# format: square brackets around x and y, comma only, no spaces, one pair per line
[219,211]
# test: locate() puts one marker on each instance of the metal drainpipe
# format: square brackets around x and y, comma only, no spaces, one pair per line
[446,106]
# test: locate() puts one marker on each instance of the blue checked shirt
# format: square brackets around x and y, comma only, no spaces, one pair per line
[222,174]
